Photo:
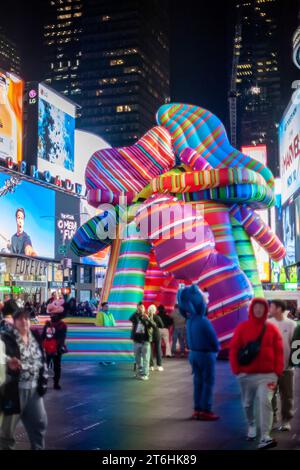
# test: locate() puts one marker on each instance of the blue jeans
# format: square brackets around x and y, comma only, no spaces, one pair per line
[203,367]
[142,353]
[178,334]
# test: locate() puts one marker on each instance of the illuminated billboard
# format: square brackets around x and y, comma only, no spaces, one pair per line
[289,150]
[56,133]
[86,144]
[11,116]
[29,215]
[259,153]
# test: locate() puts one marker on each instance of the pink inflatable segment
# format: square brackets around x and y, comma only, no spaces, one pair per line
[113,173]
[187,251]
[256,228]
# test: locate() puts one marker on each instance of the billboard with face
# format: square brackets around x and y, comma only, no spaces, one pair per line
[11,116]
[27,216]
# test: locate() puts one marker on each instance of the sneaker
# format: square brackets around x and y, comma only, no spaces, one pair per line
[196,415]
[208,416]
[251,435]
[159,368]
[143,377]
[152,368]
[286,427]
[267,443]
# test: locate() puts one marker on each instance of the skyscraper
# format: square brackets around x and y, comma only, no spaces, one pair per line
[112,58]
[260,72]
[9,56]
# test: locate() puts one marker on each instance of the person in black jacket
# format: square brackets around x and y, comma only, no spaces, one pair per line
[54,337]
[156,339]
[142,329]
[25,387]
[167,323]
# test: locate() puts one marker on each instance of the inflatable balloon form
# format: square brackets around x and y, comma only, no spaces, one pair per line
[190,222]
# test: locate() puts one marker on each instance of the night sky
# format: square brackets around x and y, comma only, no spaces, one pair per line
[201,46]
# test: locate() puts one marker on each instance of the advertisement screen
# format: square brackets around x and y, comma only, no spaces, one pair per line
[289,233]
[86,144]
[101,258]
[297,223]
[56,133]
[28,216]
[289,151]
[259,153]
[11,116]
[67,221]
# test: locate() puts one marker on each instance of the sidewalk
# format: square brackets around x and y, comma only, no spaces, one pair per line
[106,408]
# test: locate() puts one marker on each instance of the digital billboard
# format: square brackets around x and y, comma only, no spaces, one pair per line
[297,226]
[259,153]
[67,221]
[11,116]
[289,233]
[28,216]
[56,133]
[101,258]
[289,150]
[86,144]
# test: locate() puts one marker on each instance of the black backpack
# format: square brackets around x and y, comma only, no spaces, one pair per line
[248,353]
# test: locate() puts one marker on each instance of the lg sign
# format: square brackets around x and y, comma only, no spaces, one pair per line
[32,96]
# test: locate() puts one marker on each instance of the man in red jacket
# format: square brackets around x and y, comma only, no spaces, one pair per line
[258,379]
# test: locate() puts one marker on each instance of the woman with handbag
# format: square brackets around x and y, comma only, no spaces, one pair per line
[25,385]
[256,357]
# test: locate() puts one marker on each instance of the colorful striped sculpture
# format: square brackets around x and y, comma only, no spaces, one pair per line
[213,195]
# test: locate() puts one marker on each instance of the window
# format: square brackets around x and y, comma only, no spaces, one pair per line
[85,275]
[123,109]
[116,62]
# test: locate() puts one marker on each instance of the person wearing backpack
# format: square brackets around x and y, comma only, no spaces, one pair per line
[257,358]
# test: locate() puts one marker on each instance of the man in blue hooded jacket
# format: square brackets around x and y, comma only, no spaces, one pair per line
[204,346]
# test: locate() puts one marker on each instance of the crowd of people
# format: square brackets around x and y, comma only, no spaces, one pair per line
[260,356]
[26,356]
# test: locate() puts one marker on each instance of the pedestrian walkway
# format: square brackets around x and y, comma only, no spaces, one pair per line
[104,407]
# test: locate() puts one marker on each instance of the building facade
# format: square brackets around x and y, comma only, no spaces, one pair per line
[112,58]
[261,73]
[9,55]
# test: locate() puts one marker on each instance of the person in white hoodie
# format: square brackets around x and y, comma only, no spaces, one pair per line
[285,388]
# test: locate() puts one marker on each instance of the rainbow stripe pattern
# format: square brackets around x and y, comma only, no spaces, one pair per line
[124,172]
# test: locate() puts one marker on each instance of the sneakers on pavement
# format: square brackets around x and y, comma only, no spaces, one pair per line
[208,416]
[143,377]
[267,443]
[159,368]
[196,415]
[286,427]
[152,368]
[251,435]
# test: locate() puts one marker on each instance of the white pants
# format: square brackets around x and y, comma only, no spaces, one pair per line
[166,337]
[258,388]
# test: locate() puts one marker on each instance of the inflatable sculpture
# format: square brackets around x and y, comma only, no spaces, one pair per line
[185,206]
